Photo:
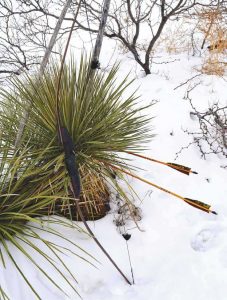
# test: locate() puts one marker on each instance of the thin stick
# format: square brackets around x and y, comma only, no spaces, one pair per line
[130,262]
[94,237]
[58,117]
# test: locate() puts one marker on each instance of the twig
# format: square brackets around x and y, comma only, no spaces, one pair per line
[185,82]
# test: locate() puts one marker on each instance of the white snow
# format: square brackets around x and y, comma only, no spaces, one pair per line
[182,253]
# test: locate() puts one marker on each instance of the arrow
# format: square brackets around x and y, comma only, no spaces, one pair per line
[195,203]
[177,167]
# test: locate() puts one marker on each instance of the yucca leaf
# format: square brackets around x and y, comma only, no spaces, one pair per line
[3,295]
[19,269]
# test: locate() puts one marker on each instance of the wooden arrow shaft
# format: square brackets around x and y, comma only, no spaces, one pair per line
[174,166]
[147,158]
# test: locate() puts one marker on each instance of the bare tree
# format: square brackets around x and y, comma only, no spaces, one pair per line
[128,22]
[26,26]
[27,33]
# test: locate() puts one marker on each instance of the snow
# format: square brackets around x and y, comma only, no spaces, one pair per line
[181,252]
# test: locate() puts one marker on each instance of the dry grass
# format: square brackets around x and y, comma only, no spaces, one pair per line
[213,66]
[213,26]
[94,198]
[175,40]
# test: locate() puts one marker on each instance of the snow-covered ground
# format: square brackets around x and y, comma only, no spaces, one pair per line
[182,252]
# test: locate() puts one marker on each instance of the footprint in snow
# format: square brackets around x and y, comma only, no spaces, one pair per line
[203,240]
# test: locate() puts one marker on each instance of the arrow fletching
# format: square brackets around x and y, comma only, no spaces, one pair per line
[180,168]
[200,205]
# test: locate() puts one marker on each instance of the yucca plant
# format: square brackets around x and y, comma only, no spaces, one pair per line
[101,122]
[22,203]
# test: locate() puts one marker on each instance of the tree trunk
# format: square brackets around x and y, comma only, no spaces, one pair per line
[99,39]
[146,69]
[54,37]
